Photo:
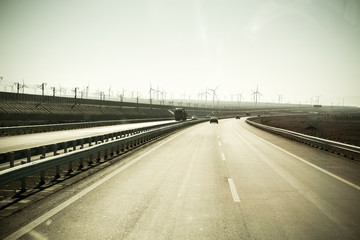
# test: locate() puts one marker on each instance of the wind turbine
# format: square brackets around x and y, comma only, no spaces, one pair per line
[23,86]
[19,87]
[239,97]
[206,93]
[163,93]
[280,97]
[62,90]
[54,90]
[151,89]
[200,96]
[157,93]
[87,90]
[110,92]
[256,94]
[317,100]
[75,91]
[1,78]
[122,94]
[42,87]
[214,93]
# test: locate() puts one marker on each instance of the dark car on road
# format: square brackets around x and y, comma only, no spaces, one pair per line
[214,120]
[237,117]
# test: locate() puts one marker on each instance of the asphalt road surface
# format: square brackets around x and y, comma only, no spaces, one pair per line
[209,181]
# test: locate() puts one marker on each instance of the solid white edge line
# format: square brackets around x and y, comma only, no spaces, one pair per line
[308,163]
[223,156]
[27,228]
[233,190]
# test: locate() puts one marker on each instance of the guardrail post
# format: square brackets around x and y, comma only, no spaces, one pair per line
[81,143]
[55,149]
[65,147]
[42,178]
[57,174]
[43,152]
[90,159]
[28,155]
[117,149]
[90,142]
[81,165]
[105,154]
[70,170]
[11,159]
[98,157]
[74,145]
[112,152]
[23,181]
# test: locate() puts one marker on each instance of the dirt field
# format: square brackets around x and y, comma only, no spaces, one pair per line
[341,128]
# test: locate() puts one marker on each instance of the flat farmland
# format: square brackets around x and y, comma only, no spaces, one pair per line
[341,128]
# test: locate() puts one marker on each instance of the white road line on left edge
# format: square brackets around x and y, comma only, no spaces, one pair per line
[27,228]
[233,190]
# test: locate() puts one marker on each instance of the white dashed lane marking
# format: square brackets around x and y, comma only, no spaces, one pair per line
[233,190]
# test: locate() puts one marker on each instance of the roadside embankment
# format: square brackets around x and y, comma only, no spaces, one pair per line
[19,113]
[340,127]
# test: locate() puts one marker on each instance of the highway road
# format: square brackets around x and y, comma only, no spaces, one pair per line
[13,143]
[209,181]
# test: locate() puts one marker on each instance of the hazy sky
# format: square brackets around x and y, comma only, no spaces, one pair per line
[298,48]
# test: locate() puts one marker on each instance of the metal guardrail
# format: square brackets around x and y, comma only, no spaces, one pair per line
[55,147]
[350,151]
[16,130]
[105,149]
